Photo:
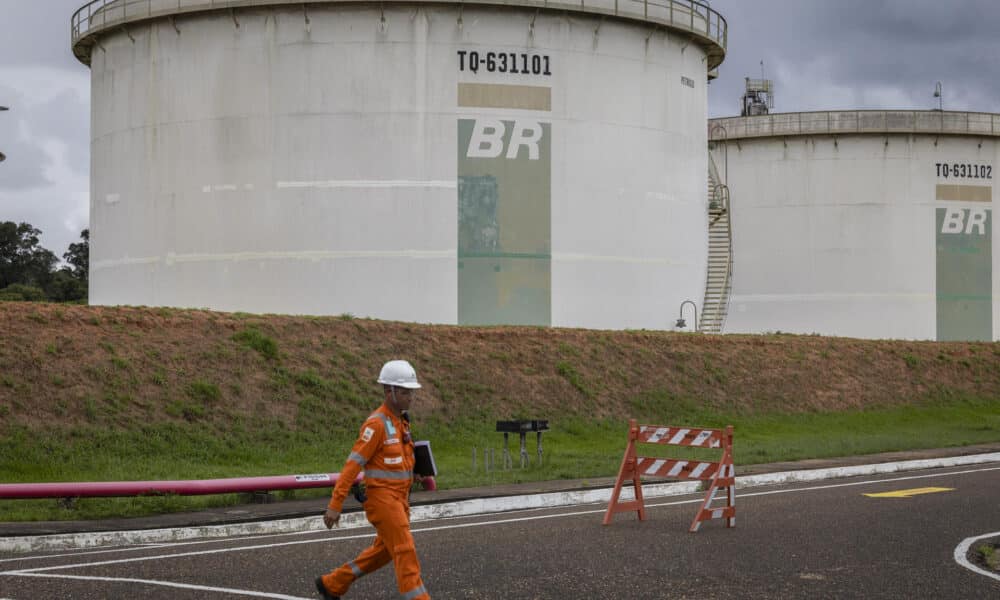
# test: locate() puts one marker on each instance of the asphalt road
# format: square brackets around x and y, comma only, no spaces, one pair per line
[823,540]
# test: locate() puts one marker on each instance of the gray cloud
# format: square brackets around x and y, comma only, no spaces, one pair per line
[35,122]
[931,22]
[865,51]
[37,33]
[27,162]
[66,117]
[45,135]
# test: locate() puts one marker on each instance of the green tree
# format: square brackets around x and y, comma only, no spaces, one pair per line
[22,259]
[64,287]
[78,257]
[69,284]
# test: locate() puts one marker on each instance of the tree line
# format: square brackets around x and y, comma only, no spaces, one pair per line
[29,272]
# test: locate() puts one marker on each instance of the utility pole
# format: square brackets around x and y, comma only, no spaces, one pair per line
[2,157]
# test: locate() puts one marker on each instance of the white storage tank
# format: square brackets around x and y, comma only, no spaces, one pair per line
[872,224]
[500,162]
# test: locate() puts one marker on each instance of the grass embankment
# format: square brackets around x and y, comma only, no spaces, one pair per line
[89,393]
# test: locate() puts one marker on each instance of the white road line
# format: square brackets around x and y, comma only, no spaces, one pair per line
[963,549]
[466,508]
[38,572]
[93,552]
[449,518]
[186,586]
[473,524]
[853,483]
[180,555]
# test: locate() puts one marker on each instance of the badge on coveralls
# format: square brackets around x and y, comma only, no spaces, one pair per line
[367,434]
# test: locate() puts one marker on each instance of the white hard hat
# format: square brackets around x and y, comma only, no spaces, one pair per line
[398,373]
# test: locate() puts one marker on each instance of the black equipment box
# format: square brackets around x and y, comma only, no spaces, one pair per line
[424,459]
[522,426]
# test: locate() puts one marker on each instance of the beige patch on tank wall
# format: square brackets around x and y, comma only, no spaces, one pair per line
[965,193]
[495,95]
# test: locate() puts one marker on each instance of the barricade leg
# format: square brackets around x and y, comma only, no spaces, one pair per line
[731,493]
[627,472]
[706,512]
[725,477]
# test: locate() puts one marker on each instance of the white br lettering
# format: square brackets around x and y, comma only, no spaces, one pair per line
[977,219]
[487,139]
[518,139]
[486,132]
[955,221]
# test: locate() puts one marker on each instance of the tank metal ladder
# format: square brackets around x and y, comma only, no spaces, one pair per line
[719,278]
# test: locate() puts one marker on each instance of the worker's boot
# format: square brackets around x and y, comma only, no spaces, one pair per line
[325,595]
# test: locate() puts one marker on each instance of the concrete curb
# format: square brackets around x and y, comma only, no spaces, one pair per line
[461,508]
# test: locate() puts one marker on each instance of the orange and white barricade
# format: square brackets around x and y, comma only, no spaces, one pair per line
[719,474]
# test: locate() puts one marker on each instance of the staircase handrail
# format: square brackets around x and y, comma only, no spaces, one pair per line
[723,192]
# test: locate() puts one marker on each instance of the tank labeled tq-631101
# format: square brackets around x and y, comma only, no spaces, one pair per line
[503,162]
[873,224]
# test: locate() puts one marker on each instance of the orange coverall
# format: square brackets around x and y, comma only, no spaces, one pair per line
[385,451]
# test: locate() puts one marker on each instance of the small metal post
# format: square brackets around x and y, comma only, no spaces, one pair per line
[524,451]
[539,445]
[506,452]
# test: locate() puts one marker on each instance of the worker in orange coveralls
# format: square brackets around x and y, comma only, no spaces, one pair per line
[384,451]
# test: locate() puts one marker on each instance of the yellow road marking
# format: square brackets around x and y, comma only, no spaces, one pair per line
[910,492]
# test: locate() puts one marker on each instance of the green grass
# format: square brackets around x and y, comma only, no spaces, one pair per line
[566,370]
[990,556]
[573,449]
[203,392]
[253,338]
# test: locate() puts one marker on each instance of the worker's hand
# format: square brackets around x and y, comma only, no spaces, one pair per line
[331,518]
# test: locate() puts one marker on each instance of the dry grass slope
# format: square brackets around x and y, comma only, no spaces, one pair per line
[117,367]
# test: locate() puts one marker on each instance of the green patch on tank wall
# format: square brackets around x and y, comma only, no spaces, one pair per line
[504,222]
[964,274]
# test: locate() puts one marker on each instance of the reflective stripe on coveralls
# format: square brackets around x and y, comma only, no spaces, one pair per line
[379,474]
[357,458]
[390,430]
[415,593]
[358,573]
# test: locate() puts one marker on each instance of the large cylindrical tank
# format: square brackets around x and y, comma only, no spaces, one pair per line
[873,224]
[422,161]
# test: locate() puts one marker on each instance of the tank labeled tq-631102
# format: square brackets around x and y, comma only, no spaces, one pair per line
[501,162]
[873,224]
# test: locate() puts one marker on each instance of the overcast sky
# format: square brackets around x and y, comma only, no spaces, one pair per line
[821,54]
